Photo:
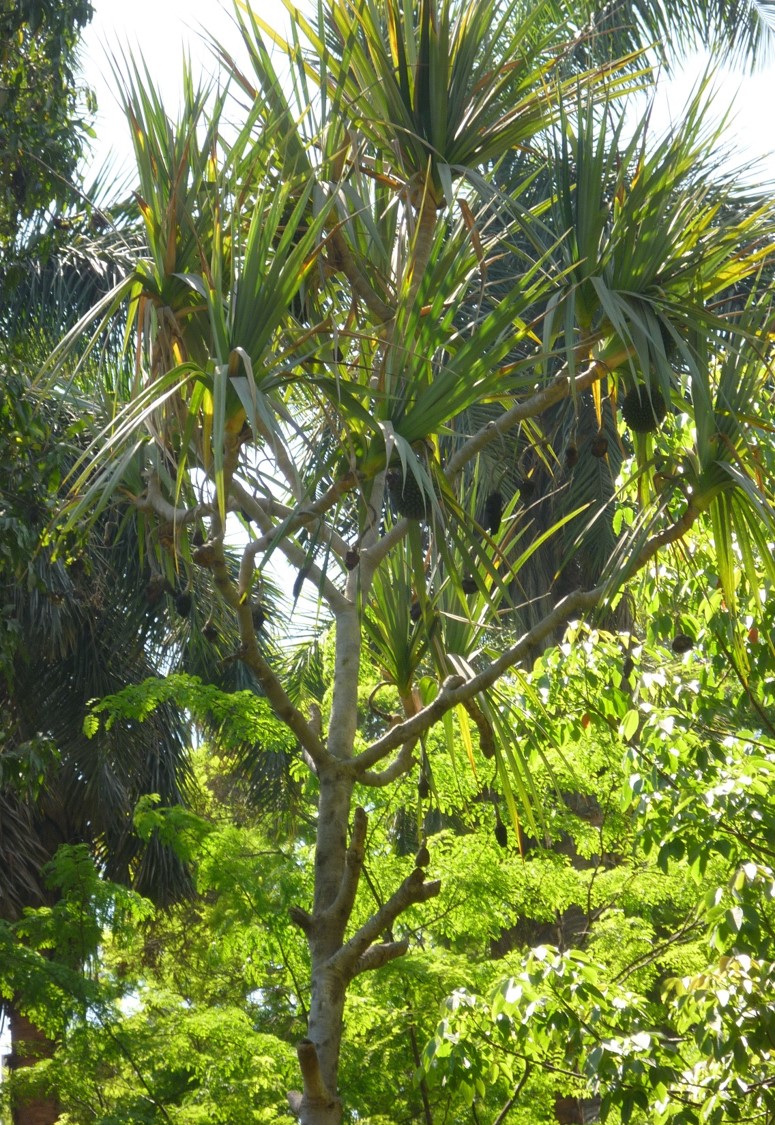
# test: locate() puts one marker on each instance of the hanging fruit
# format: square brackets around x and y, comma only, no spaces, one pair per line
[644,410]
[598,447]
[681,643]
[405,494]
[526,488]
[183,603]
[493,512]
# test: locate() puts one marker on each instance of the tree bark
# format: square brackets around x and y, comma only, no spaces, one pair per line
[319,1103]
[29,1044]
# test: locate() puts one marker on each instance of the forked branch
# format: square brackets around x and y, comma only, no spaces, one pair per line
[456,689]
[316,1093]
[342,906]
[356,955]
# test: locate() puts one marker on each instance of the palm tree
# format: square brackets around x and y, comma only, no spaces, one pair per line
[78,626]
[737,33]
[343,316]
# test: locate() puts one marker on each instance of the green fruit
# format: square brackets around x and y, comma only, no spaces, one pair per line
[644,410]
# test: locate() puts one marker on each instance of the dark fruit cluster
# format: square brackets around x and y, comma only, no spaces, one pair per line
[183,603]
[493,512]
[406,496]
[598,447]
[526,487]
[644,410]
[682,642]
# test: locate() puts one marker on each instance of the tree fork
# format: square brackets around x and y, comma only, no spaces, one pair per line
[335,962]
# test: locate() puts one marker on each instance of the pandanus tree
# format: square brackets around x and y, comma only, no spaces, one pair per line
[331,294]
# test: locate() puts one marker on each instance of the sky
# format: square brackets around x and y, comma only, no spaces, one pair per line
[162,30]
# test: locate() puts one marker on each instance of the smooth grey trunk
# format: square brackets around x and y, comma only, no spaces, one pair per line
[338,864]
[325,929]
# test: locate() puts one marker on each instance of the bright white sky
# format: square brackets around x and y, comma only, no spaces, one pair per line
[162,30]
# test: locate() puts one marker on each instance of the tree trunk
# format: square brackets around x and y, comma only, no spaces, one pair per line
[29,1044]
[425,203]
[319,1053]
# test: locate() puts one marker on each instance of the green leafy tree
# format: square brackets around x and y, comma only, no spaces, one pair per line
[43,117]
[629,933]
[314,327]
[86,622]
[641,1014]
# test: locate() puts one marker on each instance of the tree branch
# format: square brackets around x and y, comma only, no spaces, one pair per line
[301,918]
[211,555]
[456,690]
[400,765]
[342,906]
[262,509]
[155,501]
[517,1091]
[358,283]
[315,1090]
[379,954]
[303,514]
[276,695]
[260,512]
[413,890]
[538,402]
